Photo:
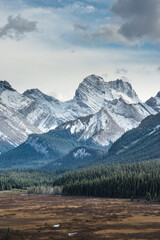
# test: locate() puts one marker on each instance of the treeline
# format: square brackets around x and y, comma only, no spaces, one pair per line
[14,179]
[139,180]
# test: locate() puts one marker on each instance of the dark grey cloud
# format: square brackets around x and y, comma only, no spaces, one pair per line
[17,27]
[141,18]
[158,68]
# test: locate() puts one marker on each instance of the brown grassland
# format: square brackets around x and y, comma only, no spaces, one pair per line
[91,218]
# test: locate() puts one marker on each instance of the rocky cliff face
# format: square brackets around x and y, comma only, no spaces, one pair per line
[139,144]
[14,128]
[109,123]
[93,92]
[114,107]
[154,102]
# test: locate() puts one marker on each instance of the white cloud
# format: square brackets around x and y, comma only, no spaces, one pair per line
[121,71]
[51,61]
[31,65]
[81,8]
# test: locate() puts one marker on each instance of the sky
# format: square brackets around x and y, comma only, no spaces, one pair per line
[54,44]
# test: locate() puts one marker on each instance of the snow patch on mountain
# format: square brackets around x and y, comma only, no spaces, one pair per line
[14,128]
[99,128]
[154,130]
[14,100]
[121,89]
[81,153]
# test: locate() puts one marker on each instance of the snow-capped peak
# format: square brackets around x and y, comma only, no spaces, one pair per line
[120,89]
[35,94]
[100,111]
[93,92]
[158,94]
[5,85]
[154,102]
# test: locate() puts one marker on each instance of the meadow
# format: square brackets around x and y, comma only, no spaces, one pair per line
[47,217]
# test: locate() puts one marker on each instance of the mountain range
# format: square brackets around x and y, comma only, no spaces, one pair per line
[139,144]
[38,128]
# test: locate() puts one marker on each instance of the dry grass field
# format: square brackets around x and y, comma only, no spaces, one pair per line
[88,218]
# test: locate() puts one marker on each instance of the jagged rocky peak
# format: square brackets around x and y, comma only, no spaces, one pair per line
[5,85]
[94,80]
[89,86]
[121,89]
[91,92]
[158,94]
[94,92]
[36,94]
[120,86]
[31,91]
[154,102]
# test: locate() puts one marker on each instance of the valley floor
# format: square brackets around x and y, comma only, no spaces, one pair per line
[90,218]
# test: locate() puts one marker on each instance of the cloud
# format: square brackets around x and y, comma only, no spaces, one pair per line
[104,75]
[58,95]
[121,71]
[107,33]
[81,8]
[158,68]
[17,27]
[141,19]
[134,22]
[125,78]
[81,27]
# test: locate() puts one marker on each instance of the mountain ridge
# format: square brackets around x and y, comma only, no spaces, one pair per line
[141,143]
[36,112]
